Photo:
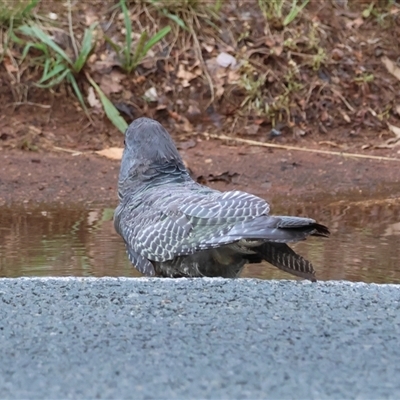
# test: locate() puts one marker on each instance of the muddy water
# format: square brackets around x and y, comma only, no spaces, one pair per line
[51,240]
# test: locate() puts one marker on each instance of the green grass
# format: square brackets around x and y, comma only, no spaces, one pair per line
[258,101]
[131,59]
[56,65]
[281,11]
[14,12]
[111,112]
[180,11]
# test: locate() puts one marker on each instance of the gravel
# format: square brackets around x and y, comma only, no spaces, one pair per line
[198,338]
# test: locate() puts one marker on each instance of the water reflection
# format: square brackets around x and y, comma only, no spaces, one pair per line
[52,241]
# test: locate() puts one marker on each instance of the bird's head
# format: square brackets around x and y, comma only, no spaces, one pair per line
[148,147]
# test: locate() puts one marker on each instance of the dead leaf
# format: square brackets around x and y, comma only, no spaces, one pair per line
[395,130]
[356,23]
[392,142]
[149,62]
[384,145]
[298,131]
[92,99]
[114,153]
[394,10]
[277,50]
[233,76]
[337,54]
[252,129]
[346,117]
[111,83]
[161,107]
[324,116]
[392,229]
[139,80]
[391,67]
[193,110]
[187,76]
[90,17]
[330,143]
[188,144]
[106,63]
[220,75]
[9,66]
[359,55]
[184,123]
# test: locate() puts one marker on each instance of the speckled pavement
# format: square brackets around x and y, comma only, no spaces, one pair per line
[198,338]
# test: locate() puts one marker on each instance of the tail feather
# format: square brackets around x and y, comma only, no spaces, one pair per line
[282,256]
[278,229]
[320,230]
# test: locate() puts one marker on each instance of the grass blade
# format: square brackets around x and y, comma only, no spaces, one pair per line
[77,91]
[43,37]
[38,46]
[294,12]
[128,37]
[53,72]
[55,81]
[31,5]
[113,45]
[175,19]
[156,38]
[109,108]
[139,52]
[85,49]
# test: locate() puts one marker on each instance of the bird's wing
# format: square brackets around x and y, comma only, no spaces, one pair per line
[141,264]
[212,221]
[230,206]
[179,223]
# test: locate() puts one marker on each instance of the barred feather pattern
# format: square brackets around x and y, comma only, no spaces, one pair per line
[173,226]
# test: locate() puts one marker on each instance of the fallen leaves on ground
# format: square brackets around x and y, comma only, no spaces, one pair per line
[114,153]
[391,67]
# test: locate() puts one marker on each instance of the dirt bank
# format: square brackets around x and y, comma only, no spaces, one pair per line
[27,177]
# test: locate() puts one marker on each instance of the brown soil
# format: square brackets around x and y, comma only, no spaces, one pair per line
[281,176]
[343,105]
[322,77]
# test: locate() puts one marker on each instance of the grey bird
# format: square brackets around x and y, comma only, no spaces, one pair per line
[174,227]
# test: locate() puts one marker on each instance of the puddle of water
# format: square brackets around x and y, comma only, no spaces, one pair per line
[75,241]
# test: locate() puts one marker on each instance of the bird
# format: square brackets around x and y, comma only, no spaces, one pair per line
[175,227]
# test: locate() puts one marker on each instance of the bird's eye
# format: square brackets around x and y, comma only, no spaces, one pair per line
[124,142]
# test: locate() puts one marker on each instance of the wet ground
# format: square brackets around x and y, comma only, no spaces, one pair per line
[56,210]
[78,241]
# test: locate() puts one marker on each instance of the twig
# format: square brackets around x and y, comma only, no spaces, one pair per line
[366,203]
[29,103]
[347,104]
[197,49]
[71,30]
[73,152]
[284,147]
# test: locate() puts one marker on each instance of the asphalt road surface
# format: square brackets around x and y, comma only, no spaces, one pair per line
[198,338]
